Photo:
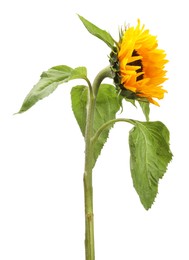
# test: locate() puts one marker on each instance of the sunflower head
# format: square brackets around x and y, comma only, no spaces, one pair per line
[138,65]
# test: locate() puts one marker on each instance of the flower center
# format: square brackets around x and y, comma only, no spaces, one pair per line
[137,63]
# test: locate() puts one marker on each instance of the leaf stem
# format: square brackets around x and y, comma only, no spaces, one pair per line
[87,178]
[108,124]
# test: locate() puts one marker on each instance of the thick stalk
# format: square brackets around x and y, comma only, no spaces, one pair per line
[105,73]
[88,188]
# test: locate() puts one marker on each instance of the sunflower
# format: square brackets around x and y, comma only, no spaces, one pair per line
[138,65]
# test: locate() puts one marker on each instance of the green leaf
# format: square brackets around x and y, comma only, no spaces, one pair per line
[49,81]
[99,33]
[145,108]
[107,105]
[150,155]
[78,73]
[79,105]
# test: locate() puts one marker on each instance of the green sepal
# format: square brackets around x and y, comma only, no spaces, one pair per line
[132,101]
[49,81]
[99,33]
[150,155]
[145,105]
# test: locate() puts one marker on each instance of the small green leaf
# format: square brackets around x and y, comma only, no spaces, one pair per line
[79,105]
[49,82]
[99,33]
[145,108]
[150,155]
[107,105]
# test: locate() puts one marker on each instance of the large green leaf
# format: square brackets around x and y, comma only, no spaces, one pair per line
[99,33]
[150,155]
[49,81]
[107,105]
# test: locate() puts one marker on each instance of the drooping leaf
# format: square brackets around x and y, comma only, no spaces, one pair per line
[99,33]
[107,105]
[49,81]
[150,155]
[79,105]
[145,108]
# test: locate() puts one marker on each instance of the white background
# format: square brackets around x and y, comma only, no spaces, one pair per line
[42,150]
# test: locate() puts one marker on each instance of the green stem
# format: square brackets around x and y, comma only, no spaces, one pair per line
[88,188]
[105,73]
